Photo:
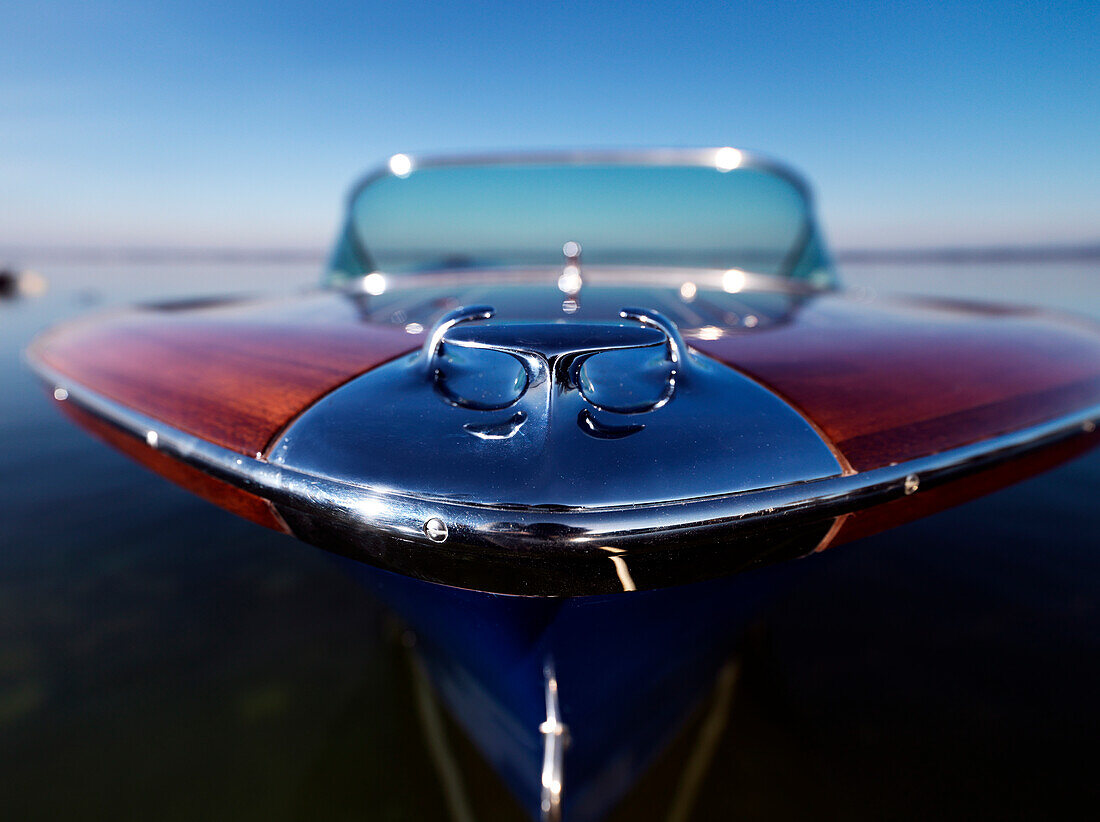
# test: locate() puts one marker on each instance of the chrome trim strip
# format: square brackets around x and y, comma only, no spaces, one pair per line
[463,314]
[722,159]
[654,319]
[363,510]
[638,275]
[711,157]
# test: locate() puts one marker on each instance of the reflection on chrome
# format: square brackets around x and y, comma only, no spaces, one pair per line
[727,159]
[497,430]
[654,319]
[594,428]
[401,165]
[371,507]
[621,570]
[446,322]
[734,281]
[638,276]
[710,332]
[555,738]
[570,280]
[374,284]
[552,354]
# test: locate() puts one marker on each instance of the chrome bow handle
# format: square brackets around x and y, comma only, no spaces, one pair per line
[462,314]
[678,352]
[619,369]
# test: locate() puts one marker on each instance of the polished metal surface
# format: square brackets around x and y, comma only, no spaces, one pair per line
[730,281]
[547,551]
[538,354]
[570,282]
[448,321]
[555,415]
[725,158]
[436,529]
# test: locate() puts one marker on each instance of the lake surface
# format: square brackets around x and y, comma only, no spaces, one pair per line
[161,659]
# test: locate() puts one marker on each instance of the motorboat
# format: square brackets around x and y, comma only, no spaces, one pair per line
[581,373]
[568,376]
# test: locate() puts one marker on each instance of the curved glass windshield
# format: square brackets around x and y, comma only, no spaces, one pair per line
[452,216]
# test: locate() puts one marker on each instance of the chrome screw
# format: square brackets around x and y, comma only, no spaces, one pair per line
[436,529]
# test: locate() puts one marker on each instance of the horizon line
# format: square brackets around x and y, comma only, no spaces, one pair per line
[14,256]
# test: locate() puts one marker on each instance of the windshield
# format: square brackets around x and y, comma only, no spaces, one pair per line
[518,213]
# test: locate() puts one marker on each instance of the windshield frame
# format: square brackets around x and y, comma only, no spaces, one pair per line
[351,253]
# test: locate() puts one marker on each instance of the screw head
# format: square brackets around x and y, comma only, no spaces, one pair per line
[436,529]
[912,483]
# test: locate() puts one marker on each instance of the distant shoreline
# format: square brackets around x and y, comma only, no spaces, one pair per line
[30,255]
[979,254]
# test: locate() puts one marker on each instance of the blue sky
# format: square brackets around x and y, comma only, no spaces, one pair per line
[242,125]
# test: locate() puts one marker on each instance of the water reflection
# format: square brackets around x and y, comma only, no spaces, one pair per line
[162,659]
[626,670]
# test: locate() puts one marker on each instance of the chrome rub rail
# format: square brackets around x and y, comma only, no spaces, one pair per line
[369,513]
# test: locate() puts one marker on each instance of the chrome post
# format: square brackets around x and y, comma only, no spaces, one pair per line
[462,314]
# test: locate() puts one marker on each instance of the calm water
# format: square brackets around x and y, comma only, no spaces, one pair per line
[160,659]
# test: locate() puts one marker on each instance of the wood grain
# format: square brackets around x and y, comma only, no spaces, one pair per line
[892,380]
[885,381]
[232,374]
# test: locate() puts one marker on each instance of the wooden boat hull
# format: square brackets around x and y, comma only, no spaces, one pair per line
[921,403]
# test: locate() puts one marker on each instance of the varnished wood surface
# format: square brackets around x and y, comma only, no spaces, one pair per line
[892,380]
[884,381]
[234,375]
[232,499]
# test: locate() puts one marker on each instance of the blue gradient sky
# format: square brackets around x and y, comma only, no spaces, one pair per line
[241,125]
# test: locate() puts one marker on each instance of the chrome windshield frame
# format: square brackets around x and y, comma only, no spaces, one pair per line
[715,279]
[724,158]
[687,157]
